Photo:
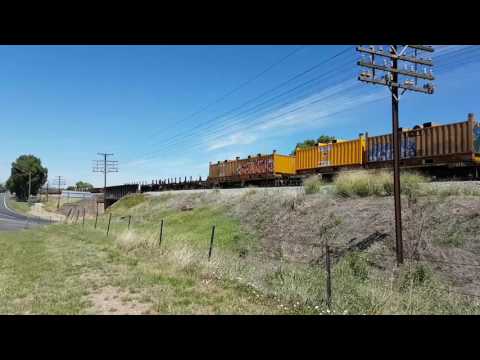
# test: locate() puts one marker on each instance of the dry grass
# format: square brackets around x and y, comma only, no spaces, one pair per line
[313,184]
[376,183]
[262,258]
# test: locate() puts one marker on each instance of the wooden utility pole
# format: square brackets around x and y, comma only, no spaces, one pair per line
[392,71]
[105,166]
[396,163]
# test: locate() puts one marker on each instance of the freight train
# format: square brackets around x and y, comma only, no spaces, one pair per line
[440,150]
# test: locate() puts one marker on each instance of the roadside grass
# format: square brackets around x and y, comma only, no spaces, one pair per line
[22,207]
[57,269]
[53,270]
[52,203]
[131,260]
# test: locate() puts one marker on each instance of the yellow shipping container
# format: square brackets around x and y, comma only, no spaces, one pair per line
[341,153]
[284,164]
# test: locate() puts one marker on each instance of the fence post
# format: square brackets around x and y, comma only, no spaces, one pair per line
[78,214]
[129,220]
[96,218]
[211,243]
[83,221]
[68,215]
[329,278]
[161,234]
[109,219]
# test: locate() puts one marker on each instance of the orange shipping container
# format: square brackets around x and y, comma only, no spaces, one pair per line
[262,166]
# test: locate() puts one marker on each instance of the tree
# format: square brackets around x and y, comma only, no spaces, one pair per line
[81,185]
[18,182]
[310,143]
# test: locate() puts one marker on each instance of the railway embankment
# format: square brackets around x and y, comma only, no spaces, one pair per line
[256,250]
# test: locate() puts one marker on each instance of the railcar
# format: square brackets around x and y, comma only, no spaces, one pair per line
[267,170]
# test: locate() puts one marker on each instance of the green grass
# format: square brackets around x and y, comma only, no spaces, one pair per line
[57,270]
[53,270]
[21,207]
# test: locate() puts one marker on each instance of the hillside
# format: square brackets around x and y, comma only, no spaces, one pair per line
[267,256]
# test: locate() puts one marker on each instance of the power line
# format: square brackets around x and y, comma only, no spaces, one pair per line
[345,110]
[292,111]
[242,85]
[257,108]
[242,120]
[270,90]
[190,132]
[295,77]
[254,109]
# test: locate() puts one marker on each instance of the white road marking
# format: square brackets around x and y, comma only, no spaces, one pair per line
[6,207]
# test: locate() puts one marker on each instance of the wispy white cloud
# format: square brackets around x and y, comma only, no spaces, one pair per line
[442,50]
[312,111]
[238,138]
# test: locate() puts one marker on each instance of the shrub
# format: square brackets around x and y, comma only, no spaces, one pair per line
[417,276]
[380,183]
[411,182]
[313,184]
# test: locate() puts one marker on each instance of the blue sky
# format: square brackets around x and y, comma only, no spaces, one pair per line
[66,103]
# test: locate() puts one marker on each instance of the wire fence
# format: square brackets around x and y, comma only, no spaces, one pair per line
[326,259]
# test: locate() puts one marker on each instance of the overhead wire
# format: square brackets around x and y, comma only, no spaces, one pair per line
[448,54]
[237,88]
[271,90]
[241,119]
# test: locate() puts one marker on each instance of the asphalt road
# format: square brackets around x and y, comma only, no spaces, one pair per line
[10,220]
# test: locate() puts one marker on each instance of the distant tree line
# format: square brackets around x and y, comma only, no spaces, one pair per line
[81,186]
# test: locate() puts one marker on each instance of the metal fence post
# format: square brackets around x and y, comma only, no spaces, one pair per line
[329,278]
[211,243]
[129,220]
[68,215]
[161,234]
[109,219]
[96,218]
[83,220]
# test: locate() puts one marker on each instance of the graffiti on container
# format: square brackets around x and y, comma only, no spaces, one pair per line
[324,155]
[384,152]
[255,167]
[476,138]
